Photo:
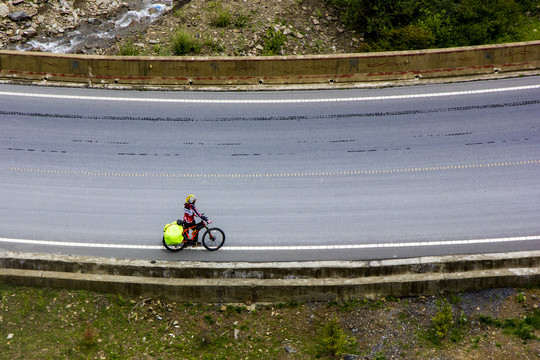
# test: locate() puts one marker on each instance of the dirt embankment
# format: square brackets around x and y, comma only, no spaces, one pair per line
[221,27]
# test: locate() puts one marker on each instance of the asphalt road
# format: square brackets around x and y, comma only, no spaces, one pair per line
[307,175]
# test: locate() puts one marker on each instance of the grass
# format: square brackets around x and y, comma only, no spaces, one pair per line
[81,325]
[210,43]
[523,328]
[87,325]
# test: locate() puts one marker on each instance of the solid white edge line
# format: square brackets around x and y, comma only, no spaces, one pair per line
[279,101]
[282,248]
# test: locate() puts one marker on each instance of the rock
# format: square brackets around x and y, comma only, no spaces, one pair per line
[4,10]
[289,350]
[19,16]
[94,42]
[15,38]
[30,32]
[316,22]
[236,334]
[17,2]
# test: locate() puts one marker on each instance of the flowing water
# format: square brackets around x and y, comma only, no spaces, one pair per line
[98,33]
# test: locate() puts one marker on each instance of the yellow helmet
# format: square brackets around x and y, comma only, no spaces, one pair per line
[191,199]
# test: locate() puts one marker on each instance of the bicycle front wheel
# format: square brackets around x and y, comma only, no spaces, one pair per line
[213,239]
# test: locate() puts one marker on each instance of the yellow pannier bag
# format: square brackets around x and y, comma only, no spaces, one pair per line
[173,234]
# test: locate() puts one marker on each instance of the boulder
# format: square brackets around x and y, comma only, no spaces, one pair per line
[19,16]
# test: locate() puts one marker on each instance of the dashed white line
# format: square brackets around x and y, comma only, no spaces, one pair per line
[267,101]
[283,248]
[433,168]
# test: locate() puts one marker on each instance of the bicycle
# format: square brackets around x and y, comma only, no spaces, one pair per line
[213,238]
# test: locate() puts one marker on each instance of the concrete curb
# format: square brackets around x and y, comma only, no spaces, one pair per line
[241,282]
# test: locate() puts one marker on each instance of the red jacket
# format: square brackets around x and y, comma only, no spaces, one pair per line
[190,211]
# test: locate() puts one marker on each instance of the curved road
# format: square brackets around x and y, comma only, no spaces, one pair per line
[319,175]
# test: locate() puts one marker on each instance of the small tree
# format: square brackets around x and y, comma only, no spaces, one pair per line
[333,339]
[443,319]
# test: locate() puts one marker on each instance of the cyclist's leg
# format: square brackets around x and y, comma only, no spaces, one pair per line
[198,227]
[188,226]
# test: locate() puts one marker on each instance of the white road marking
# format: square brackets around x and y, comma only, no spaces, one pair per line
[276,175]
[282,248]
[275,101]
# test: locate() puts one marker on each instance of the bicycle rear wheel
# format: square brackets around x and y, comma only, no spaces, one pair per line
[174,248]
[213,239]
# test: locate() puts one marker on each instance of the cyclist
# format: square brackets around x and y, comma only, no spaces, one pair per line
[190,211]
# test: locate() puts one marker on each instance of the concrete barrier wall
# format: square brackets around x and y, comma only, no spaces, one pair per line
[144,70]
[273,282]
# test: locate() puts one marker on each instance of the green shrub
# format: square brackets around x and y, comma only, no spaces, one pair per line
[221,17]
[411,37]
[273,42]
[413,24]
[129,49]
[241,21]
[160,50]
[443,319]
[183,43]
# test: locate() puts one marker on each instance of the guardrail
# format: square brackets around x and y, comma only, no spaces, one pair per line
[344,68]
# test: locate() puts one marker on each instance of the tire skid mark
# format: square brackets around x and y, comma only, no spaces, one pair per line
[494,142]
[271,118]
[35,150]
